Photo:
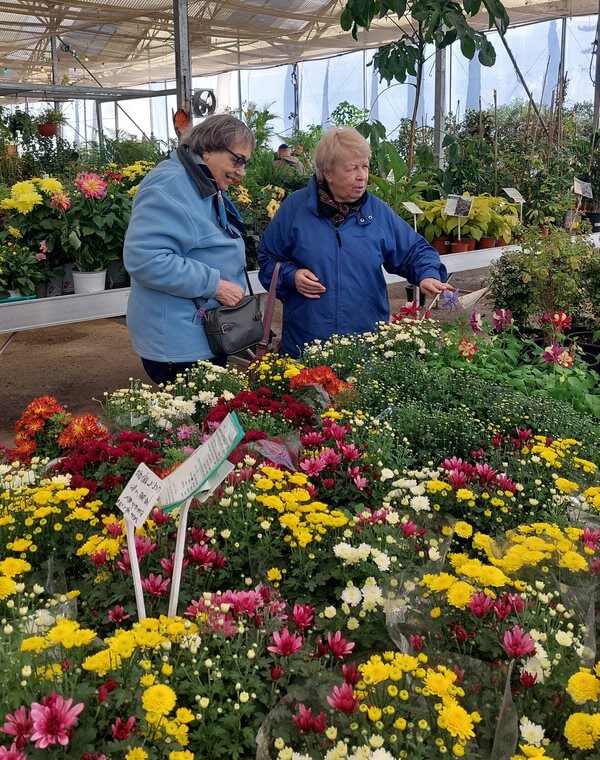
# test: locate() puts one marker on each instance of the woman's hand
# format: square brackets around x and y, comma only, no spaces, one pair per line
[307,284]
[228,293]
[432,287]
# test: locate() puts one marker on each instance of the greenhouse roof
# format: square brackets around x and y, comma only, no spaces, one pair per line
[130,42]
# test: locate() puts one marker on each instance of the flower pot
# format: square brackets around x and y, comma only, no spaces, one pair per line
[118,276]
[593,218]
[441,244]
[502,241]
[459,246]
[486,242]
[471,244]
[47,130]
[89,282]
[41,290]
[67,279]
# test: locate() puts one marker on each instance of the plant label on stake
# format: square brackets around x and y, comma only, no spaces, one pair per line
[583,190]
[135,502]
[414,210]
[198,476]
[516,196]
[459,206]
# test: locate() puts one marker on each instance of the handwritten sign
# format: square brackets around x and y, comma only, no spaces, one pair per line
[412,207]
[191,476]
[139,495]
[582,188]
[514,194]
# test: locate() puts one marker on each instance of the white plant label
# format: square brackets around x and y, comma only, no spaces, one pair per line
[582,188]
[459,205]
[514,194]
[192,475]
[412,207]
[139,495]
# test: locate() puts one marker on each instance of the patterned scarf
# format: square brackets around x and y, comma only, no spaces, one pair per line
[334,210]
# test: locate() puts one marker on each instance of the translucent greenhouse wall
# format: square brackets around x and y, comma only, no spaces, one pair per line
[325,83]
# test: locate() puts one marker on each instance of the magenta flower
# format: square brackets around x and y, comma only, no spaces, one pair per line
[559,320]
[457,479]
[485,474]
[286,643]
[501,319]
[591,538]
[338,645]
[343,699]
[311,439]
[312,467]
[556,354]
[18,724]
[91,185]
[480,604]
[40,257]
[303,615]
[504,483]
[12,754]
[117,614]
[52,720]
[351,673]
[359,481]
[304,719]
[476,322]
[517,643]
[350,451]
[122,730]
[416,642]
[155,585]
[330,457]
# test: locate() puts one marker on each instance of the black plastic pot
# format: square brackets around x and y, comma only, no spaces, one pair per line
[593,218]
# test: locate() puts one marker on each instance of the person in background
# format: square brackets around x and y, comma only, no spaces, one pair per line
[285,159]
[184,242]
[333,238]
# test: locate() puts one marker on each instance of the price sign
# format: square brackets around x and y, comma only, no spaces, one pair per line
[412,207]
[191,477]
[459,205]
[140,495]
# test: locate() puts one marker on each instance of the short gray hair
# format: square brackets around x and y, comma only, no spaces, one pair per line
[337,144]
[217,133]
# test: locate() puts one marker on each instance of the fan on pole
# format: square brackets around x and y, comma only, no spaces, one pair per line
[204,103]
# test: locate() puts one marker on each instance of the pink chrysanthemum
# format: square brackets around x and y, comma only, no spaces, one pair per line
[91,185]
[52,720]
[60,201]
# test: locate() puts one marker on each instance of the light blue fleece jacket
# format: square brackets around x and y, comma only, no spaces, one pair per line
[175,250]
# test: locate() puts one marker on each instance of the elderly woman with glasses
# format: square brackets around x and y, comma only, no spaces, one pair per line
[333,238]
[184,247]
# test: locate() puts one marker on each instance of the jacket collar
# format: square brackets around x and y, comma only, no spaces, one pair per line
[364,215]
[190,163]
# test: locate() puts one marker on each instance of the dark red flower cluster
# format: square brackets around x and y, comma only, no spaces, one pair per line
[462,474]
[261,401]
[106,465]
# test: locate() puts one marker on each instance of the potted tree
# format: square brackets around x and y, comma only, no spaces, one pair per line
[48,120]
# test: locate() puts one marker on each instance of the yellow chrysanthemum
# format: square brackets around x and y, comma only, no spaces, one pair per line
[7,586]
[583,687]
[582,731]
[50,186]
[455,720]
[459,594]
[159,698]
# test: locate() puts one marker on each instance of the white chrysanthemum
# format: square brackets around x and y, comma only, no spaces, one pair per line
[338,752]
[352,595]
[372,595]
[564,638]
[531,732]
[381,559]
[420,503]
[386,474]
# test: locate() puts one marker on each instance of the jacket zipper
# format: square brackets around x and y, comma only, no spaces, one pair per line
[337,290]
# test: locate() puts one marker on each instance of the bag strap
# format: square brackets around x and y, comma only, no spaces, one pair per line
[263,344]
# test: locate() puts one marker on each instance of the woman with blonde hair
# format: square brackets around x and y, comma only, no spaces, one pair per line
[333,238]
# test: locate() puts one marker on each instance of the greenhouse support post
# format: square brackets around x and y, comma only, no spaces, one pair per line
[183,66]
[596,123]
[439,114]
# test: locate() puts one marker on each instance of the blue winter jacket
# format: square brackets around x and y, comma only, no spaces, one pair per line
[347,262]
[176,250]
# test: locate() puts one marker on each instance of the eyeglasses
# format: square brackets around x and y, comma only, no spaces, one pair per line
[239,160]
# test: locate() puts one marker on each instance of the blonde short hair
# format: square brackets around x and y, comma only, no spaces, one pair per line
[338,144]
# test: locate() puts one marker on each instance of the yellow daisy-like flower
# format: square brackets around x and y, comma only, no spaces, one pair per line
[12,566]
[459,594]
[7,586]
[25,203]
[136,753]
[463,529]
[159,699]
[464,494]
[456,720]
[572,561]
[566,486]
[50,186]
[583,687]
[15,232]
[274,574]
[439,581]
[181,755]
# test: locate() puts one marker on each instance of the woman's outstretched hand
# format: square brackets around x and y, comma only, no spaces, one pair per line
[432,287]
[307,284]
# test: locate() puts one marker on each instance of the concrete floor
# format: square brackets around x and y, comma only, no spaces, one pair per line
[77,363]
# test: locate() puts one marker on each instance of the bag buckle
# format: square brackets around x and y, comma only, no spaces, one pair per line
[225,328]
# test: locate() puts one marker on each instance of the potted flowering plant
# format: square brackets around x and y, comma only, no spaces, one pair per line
[20,270]
[47,121]
[95,226]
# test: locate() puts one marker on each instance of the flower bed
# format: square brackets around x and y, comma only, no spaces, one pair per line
[402,563]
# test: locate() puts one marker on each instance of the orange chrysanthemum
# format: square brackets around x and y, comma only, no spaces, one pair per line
[84,427]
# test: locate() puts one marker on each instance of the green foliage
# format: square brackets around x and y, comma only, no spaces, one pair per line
[436,22]
[548,275]
[121,151]
[20,270]
[50,116]
[347,115]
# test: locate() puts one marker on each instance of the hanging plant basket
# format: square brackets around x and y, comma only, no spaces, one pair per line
[47,130]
